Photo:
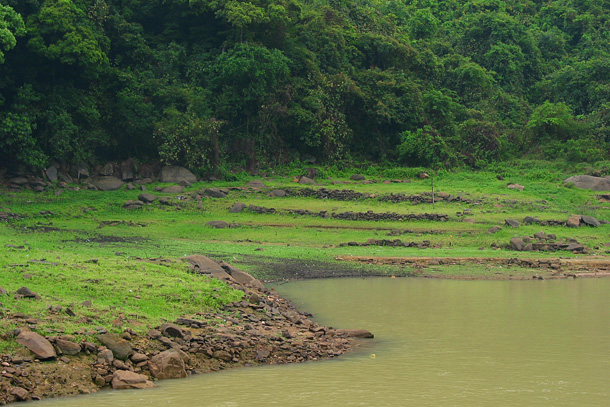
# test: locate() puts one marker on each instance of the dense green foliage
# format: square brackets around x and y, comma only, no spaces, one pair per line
[206,83]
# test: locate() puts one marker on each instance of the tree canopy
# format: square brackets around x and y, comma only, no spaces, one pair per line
[208,83]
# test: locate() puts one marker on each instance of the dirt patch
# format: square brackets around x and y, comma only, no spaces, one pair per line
[555,267]
[102,239]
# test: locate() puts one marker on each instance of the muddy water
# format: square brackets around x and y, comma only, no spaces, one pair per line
[438,343]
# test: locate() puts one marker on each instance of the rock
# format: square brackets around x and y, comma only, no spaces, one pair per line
[106,356]
[575,247]
[146,198]
[540,235]
[108,183]
[130,187]
[214,193]
[279,193]
[355,333]
[306,181]
[121,349]
[528,220]
[27,293]
[515,186]
[218,224]
[107,169]
[127,170]
[3,291]
[511,223]
[38,344]
[168,364]
[242,277]
[357,177]
[172,330]
[256,183]
[138,358]
[174,189]
[224,355]
[205,265]
[80,171]
[573,221]
[237,207]
[175,174]
[67,347]
[124,379]
[19,393]
[517,244]
[590,221]
[494,229]
[51,173]
[589,182]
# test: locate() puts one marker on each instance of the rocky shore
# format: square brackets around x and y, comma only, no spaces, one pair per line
[262,328]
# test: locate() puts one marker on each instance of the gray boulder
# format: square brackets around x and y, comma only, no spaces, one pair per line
[517,244]
[51,173]
[205,265]
[124,379]
[172,173]
[357,177]
[589,182]
[218,224]
[174,189]
[121,349]
[146,198]
[511,223]
[590,221]
[237,207]
[108,183]
[306,181]
[215,193]
[38,344]
[168,365]
[256,183]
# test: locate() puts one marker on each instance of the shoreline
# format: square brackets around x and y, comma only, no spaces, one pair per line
[263,328]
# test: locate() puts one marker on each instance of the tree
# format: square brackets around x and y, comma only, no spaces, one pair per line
[11,27]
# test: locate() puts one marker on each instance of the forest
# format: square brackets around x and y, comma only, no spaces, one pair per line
[210,84]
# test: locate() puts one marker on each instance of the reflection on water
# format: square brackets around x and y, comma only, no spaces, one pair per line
[438,342]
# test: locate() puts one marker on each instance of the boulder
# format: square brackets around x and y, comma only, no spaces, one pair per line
[205,265]
[511,223]
[218,224]
[51,173]
[589,182]
[355,333]
[174,189]
[172,173]
[168,364]
[573,221]
[146,198]
[494,229]
[121,349]
[107,169]
[256,183]
[237,207]
[172,330]
[27,293]
[528,220]
[108,183]
[306,181]
[67,347]
[214,193]
[279,193]
[38,344]
[590,221]
[128,169]
[124,379]
[357,177]
[517,244]
[242,277]
[20,393]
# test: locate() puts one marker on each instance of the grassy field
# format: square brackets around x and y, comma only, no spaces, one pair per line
[84,245]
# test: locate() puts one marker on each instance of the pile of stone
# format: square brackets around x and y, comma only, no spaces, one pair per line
[390,243]
[545,243]
[323,193]
[425,197]
[371,216]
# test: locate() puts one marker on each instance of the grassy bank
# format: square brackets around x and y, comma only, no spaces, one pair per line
[83,245]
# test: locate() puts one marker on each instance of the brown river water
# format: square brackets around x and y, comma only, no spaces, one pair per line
[438,343]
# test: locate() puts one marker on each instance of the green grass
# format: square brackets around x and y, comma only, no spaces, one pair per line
[124,289]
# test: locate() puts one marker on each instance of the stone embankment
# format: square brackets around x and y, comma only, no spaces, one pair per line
[262,328]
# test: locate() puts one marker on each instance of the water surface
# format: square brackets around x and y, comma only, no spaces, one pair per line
[438,343]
